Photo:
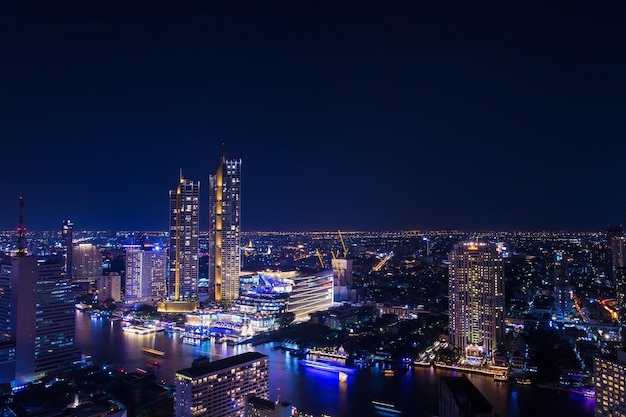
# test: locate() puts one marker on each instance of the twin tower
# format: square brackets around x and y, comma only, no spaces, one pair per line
[224,239]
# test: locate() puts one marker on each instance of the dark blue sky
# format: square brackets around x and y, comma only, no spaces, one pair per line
[351,116]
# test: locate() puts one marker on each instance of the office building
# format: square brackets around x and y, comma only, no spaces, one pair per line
[145,274]
[476,300]
[86,263]
[110,287]
[183,242]
[458,397]
[221,388]
[37,312]
[610,385]
[224,230]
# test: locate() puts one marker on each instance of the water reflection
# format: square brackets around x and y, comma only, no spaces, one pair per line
[317,391]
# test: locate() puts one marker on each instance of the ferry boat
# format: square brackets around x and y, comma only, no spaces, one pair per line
[501,377]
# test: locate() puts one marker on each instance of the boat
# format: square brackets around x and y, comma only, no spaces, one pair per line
[153,351]
[501,377]
[385,408]
[523,380]
[343,377]
[389,372]
[138,329]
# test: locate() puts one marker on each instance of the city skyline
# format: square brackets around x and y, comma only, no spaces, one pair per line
[355,116]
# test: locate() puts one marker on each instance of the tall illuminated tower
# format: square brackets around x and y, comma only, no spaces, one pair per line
[224,230]
[476,300]
[67,234]
[37,304]
[184,234]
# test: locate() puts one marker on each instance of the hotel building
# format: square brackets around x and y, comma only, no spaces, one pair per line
[476,300]
[221,388]
[184,240]
[224,230]
[145,274]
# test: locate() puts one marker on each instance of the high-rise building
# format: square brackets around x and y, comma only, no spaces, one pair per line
[612,232]
[563,303]
[110,286]
[476,300]
[311,292]
[86,262]
[145,274]
[224,230]
[67,235]
[458,397]
[184,240]
[619,278]
[38,313]
[610,383]
[220,388]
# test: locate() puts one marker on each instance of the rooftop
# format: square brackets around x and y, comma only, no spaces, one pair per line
[226,363]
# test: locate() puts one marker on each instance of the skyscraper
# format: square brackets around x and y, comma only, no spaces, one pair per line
[224,230]
[220,388]
[561,287]
[145,274]
[86,263]
[619,277]
[37,311]
[476,300]
[67,234]
[184,243]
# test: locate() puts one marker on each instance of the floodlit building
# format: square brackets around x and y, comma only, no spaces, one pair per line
[476,300]
[225,230]
[145,274]
[86,263]
[311,292]
[184,240]
[221,388]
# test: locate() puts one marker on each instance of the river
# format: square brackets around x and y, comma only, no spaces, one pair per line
[319,391]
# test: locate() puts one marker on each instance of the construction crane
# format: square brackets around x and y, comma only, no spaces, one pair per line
[345,250]
[319,256]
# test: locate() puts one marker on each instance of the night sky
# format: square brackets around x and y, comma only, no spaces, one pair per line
[507,115]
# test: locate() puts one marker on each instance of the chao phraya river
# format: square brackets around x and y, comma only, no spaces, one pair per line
[320,391]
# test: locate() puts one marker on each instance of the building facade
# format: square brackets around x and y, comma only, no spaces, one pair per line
[311,292]
[86,263]
[184,240]
[110,287]
[220,388]
[610,383]
[476,300]
[145,274]
[225,230]
[38,305]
